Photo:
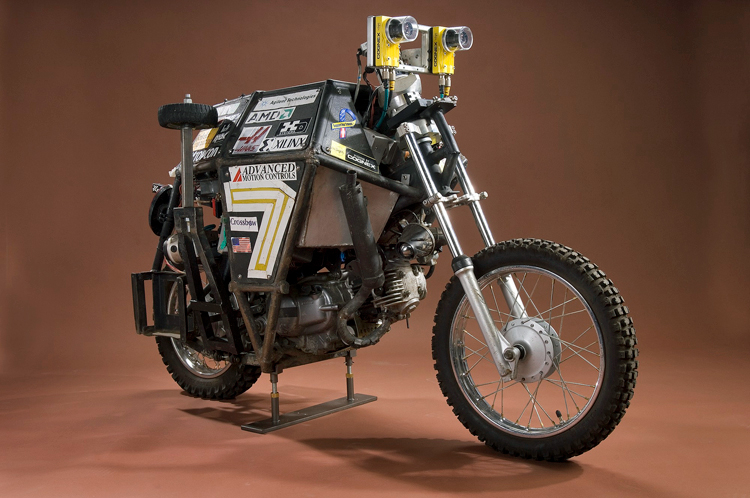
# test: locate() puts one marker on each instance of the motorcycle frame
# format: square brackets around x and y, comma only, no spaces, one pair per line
[428,192]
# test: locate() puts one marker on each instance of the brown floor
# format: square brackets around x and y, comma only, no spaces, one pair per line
[134,434]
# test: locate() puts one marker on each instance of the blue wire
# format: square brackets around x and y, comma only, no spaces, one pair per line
[385,108]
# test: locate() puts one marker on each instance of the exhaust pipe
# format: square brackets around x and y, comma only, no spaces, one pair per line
[370,263]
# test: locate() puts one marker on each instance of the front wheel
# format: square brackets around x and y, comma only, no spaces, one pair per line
[578,369]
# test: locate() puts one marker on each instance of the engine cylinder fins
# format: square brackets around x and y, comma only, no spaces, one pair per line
[404,287]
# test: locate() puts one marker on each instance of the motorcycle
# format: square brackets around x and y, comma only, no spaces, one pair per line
[328,206]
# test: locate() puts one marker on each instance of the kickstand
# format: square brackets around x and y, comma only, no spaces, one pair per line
[278,421]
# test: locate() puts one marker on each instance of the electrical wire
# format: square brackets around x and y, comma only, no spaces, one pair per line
[359,76]
[368,70]
[370,104]
[385,108]
[374,94]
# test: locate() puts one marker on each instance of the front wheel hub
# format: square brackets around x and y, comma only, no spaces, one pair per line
[540,345]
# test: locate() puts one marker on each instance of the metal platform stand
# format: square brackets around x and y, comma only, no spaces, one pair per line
[278,421]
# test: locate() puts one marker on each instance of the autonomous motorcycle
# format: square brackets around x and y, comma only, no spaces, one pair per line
[304,223]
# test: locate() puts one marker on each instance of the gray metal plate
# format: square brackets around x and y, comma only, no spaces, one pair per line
[310,413]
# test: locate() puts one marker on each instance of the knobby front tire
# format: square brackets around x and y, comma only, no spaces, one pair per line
[579,370]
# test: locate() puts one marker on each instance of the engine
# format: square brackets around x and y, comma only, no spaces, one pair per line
[308,315]
[313,307]
[404,287]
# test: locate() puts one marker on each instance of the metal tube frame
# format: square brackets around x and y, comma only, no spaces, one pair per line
[186,142]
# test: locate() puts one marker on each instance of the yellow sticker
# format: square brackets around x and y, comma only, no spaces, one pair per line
[338,150]
[203,138]
[342,124]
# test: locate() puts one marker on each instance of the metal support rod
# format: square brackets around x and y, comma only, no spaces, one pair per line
[369,177]
[349,378]
[267,354]
[424,174]
[507,285]
[274,398]
[476,208]
[186,139]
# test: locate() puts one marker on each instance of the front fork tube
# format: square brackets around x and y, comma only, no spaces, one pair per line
[507,285]
[504,355]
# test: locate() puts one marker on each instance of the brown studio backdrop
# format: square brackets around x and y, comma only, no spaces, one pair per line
[618,128]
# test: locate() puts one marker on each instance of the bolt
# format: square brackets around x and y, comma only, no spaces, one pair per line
[508,354]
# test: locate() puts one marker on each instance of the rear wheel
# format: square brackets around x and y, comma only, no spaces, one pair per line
[578,370]
[202,374]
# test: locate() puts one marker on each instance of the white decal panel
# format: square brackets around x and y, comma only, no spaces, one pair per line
[273,201]
[288,100]
[251,139]
[243,224]
[268,116]
[260,172]
[283,143]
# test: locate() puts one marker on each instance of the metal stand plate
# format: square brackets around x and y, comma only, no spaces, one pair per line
[278,421]
[268,425]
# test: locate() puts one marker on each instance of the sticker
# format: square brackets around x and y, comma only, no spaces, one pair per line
[221,132]
[352,156]
[285,143]
[244,224]
[226,110]
[241,244]
[263,172]
[265,116]
[347,119]
[203,155]
[275,201]
[155,187]
[203,138]
[251,139]
[293,127]
[290,99]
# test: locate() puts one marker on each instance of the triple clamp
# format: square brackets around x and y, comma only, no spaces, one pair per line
[453,200]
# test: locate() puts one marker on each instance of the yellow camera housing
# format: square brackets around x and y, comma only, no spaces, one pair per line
[443,61]
[386,54]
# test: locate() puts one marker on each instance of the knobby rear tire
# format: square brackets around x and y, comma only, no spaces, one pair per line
[235,380]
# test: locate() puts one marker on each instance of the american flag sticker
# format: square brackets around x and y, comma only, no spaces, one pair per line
[241,244]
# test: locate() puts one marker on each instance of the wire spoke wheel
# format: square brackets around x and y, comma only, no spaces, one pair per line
[198,363]
[200,373]
[559,390]
[195,361]
[577,370]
